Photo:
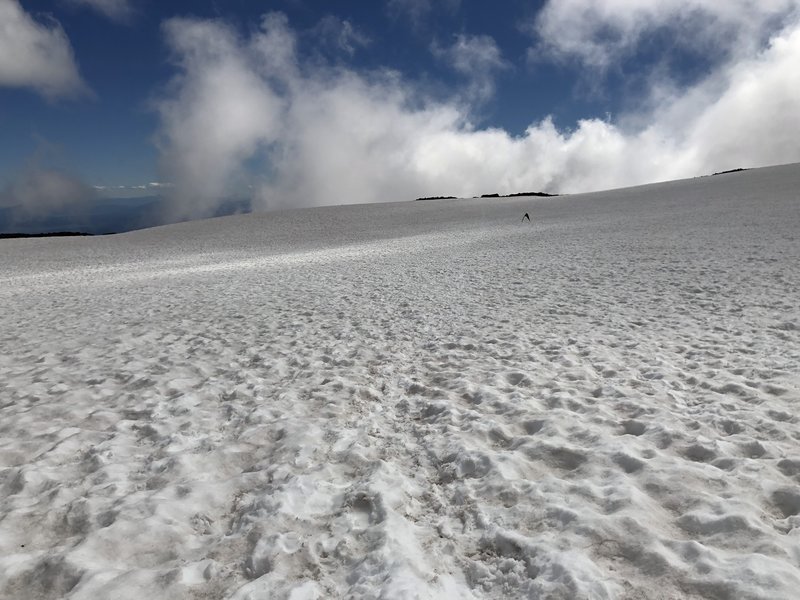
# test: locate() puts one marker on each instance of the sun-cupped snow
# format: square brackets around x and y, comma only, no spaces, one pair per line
[412,400]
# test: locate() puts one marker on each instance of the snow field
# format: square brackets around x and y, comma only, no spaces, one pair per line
[423,400]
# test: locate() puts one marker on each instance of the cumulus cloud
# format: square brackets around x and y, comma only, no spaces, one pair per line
[477,58]
[246,108]
[601,33]
[755,119]
[116,10]
[222,107]
[36,54]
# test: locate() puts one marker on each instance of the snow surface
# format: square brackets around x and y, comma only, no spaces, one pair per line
[414,400]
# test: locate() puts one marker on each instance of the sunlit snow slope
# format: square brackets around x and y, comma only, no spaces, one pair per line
[416,400]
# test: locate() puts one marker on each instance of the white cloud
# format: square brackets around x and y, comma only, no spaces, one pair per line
[130,191]
[36,55]
[601,33]
[755,120]
[327,135]
[222,108]
[477,58]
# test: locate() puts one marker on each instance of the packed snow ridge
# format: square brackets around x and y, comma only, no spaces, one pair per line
[414,400]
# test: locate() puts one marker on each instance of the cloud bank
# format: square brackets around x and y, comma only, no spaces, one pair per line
[247,110]
[36,55]
[38,192]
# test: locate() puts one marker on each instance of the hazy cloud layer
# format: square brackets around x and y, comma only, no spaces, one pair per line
[40,191]
[117,10]
[36,54]
[152,188]
[325,134]
[478,59]
[417,11]
[339,35]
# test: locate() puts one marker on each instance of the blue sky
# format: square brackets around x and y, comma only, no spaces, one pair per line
[298,103]
[125,62]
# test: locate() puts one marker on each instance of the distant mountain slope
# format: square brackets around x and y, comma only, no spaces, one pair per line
[128,214]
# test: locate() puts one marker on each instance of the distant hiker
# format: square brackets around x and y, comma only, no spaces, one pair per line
[526,217]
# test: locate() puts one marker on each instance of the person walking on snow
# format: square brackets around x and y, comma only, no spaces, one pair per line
[525,216]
